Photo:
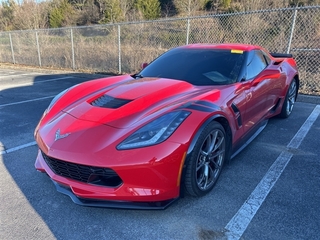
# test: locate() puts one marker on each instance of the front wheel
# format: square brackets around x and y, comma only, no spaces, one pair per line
[205,164]
[289,100]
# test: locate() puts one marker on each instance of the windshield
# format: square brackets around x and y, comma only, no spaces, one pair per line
[197,66]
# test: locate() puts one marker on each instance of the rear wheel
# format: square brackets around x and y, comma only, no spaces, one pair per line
[289,100]
[205,164]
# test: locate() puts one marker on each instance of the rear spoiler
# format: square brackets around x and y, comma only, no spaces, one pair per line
[281,55]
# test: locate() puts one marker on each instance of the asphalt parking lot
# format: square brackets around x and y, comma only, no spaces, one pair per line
[271,190]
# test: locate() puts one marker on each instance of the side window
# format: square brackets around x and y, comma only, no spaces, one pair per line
[256,63]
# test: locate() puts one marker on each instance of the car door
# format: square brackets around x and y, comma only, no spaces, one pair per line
[256,90]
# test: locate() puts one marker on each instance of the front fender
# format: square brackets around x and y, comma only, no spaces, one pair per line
[225,123]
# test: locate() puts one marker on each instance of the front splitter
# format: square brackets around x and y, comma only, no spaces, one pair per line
[160,205]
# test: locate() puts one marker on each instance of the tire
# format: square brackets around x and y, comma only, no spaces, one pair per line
[289,100]
[206,160]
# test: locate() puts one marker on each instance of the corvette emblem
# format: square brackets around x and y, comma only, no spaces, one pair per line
[60,136]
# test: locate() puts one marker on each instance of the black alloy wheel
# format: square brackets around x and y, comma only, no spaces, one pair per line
[205,164]
[289,100]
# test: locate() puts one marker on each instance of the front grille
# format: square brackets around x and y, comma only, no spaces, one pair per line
[87,174]
[106,101]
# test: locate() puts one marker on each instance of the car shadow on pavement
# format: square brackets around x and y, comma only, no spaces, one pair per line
[31,208]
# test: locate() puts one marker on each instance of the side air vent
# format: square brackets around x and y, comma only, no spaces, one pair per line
[277,62]
[237,113]
[106,101]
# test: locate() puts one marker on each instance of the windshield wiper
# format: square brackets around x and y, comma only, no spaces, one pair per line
[137,75]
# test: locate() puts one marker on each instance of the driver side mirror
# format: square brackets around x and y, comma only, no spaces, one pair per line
[144,65]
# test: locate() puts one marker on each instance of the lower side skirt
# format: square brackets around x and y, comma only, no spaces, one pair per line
[249,138]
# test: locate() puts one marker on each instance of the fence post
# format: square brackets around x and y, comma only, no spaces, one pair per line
[38,47]
[292,29]
[119,47]
[188,30]
[12,52]
[72,49]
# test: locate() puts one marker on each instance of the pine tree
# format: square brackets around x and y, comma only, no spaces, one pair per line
[150,9]
[113,12]
[60,14]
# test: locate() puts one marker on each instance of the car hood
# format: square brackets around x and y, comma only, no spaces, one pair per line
[126,102]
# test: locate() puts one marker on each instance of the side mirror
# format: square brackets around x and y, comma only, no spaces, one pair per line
[144,65]
[266,74]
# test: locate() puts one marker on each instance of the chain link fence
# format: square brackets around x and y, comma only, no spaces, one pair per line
[122,47]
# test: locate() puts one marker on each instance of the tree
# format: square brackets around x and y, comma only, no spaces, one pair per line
[78,4]
[126,6]
[7,15]
[101,6]
[189,7]
[150,9]
[113,12]
[226,3]
[89,14]
[168,8]
[31,15]
[61,14]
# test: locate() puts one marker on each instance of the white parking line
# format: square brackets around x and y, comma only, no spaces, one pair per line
[26,101]
[240,221]
[18,148]
[54,79]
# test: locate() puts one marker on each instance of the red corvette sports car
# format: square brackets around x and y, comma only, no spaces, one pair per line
[143,140]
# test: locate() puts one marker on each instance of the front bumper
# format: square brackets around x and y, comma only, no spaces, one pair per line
[153,183]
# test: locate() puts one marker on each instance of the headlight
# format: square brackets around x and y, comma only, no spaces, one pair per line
[154,132]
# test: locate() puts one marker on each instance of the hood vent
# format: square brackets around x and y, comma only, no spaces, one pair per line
[106,101]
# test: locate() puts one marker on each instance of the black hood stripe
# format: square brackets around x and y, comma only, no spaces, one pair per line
[200,105]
